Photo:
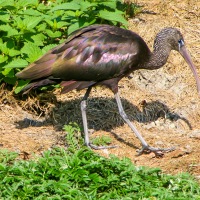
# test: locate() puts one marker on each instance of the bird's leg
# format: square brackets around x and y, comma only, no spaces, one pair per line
[85,126]
[145,147]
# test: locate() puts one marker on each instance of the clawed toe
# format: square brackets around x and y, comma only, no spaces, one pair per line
[159,152]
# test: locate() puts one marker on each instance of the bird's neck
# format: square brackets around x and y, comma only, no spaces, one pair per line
[159,56]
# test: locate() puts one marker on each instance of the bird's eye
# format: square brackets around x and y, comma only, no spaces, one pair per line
[181,42]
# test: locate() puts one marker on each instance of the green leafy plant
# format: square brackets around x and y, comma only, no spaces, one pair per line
[29,28]
[83,174]
[101,140]
[73,136]
[75,140]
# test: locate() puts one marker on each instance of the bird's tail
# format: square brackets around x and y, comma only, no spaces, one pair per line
[42,68]
[67,86]
[37,84]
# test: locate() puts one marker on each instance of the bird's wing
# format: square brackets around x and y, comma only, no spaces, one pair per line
[94,53]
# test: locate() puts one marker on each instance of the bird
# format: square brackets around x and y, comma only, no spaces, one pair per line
[103,55]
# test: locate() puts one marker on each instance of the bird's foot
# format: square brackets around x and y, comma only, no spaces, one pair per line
[159,152]
[92,146]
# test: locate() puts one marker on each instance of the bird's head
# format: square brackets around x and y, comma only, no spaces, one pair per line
[170,38]
[173,39]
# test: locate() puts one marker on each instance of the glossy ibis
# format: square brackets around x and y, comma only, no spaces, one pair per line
[103,55]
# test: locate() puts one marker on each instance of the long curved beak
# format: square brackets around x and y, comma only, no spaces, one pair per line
[183,51]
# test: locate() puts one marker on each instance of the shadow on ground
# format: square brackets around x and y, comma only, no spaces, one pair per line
[102,114]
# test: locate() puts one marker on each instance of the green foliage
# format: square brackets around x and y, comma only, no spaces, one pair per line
[73,137]
[29,28]
[79,173]
[75,140]
[101,140]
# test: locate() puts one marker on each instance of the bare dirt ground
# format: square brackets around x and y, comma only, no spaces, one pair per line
[163,104]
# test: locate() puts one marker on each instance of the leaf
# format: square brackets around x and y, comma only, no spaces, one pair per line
[39,39]
[85,5]
[19,23]
[10,48]
[4,48]
[83,22]
[21,84]
[10,43]
[62,24]
[52,34]
[25,3]
[4,17]
[8,72]
[69,13]
[3,58]
[110,4]
[13,52]
[67,6]
[115,16]
[32,51]
[31,22]
[73,27]
[5,3]
[2,167]
[17,63]
[31,12]
[49,22]
[10,31]
[42,7]
[41,27]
